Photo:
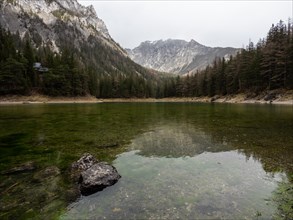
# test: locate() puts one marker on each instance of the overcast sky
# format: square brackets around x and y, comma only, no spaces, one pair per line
[212,23]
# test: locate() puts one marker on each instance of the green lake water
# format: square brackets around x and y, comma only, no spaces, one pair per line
[177,160]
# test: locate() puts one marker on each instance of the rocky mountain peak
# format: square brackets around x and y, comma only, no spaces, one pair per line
[177,56]
[42,16]
[193,43]
[91,10]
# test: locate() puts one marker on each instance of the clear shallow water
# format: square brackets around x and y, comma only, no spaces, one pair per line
[172,176]
[182,161]
[202,187]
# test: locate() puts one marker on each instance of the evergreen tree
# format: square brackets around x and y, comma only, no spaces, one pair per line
[29,56]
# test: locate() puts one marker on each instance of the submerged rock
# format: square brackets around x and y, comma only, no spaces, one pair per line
[48,172]
[93,176]
[98,177]
[25,167]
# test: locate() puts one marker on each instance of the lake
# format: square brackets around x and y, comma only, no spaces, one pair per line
[177,160]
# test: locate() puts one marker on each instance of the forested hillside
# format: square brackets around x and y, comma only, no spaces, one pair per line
[265,66]
[97,70]
[94,70]
[62,48]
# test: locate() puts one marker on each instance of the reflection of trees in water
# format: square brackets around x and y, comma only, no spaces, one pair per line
[172,141]
[274,155]
[283,197]
[261,131]
[184,139]
[181,140]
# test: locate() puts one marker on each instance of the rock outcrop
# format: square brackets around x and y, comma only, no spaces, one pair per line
[93,176]
[50,22]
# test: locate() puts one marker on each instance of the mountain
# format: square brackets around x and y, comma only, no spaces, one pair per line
[53,22]
[177,56]
[73,44]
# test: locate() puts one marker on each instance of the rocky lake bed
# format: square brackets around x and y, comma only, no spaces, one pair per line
[182,160]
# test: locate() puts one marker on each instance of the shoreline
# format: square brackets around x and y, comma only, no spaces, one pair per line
[284,99]
[40,99]
[234,100]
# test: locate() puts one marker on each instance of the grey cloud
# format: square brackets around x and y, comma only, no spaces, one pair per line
[212,23]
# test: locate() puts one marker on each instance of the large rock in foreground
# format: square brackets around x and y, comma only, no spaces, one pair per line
[93,176]
[98,177]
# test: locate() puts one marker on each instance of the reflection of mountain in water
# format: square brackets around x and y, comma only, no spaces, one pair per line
[193,135]
[174,141]
[188,140]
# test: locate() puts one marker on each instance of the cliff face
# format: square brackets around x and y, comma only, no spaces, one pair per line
[74,45]
[177,56]
[54,22]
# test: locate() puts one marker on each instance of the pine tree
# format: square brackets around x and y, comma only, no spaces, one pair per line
[29,56]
